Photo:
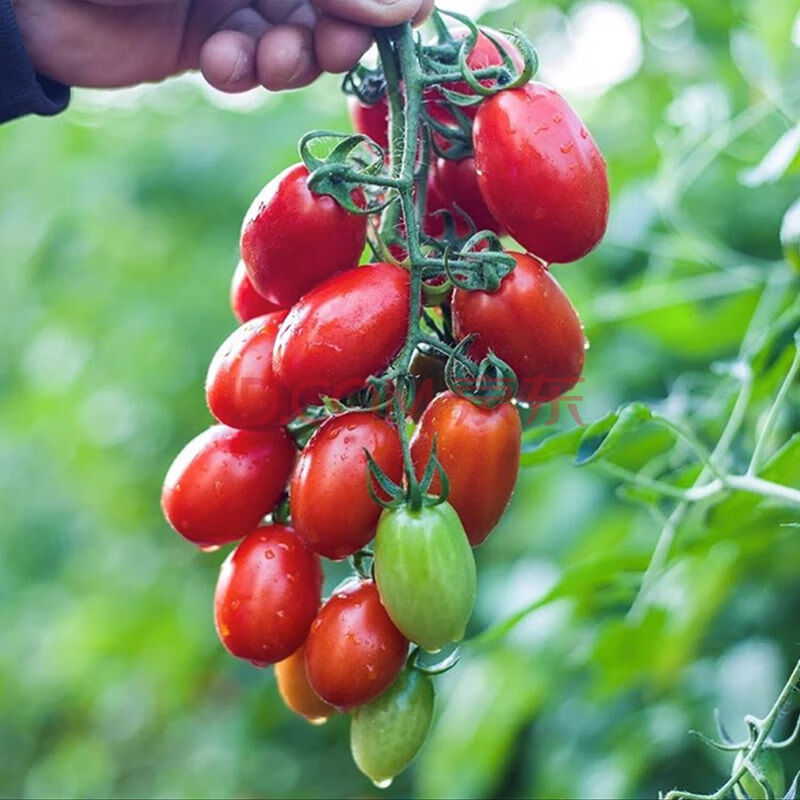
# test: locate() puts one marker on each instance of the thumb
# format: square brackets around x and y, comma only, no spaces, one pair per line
[373,13]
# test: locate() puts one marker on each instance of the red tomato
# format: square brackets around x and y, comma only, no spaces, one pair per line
[485,54]
[332,509]
[225,481]
[455,183]
[293,239]
[246,302]
[354,652]
[296,691]
[541,173]
[340,333]
[267,596]
[371,120]
[530,324]
[241,388]
[479,450]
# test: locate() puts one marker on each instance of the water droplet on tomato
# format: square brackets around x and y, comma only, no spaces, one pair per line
[384,784]
[566,148]
[209,548]
[269,554]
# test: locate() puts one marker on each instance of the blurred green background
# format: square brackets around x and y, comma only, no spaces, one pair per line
[118,234]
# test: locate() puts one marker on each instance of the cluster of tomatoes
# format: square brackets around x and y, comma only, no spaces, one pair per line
[420,482]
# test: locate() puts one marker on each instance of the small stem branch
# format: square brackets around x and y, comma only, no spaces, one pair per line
[764,728]
[769,423]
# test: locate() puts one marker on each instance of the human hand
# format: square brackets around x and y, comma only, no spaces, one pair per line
[237,44]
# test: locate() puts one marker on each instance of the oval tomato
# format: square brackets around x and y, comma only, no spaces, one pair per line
[332,509]
[478,449]
[541,173]
[387,733]
[246,302]
[530,324]
[456,187]
[296,691]
[340,333]
[267,595]
[223,483]
[241,388]
[354,652]
[371,120]
[293,239]
[425,573]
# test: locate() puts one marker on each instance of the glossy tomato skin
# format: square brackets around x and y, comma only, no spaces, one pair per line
[296,691]
[292,239]
[246,302]
[340,333]
[541,173]
[241,388]
[371,120]
[426,575]
[479,450]
[332,509]
[267,595]
[225,481]
[387,733]
[354,652]
[456,187]
[530,324]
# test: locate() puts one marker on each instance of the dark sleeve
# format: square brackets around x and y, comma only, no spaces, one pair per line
[22,91]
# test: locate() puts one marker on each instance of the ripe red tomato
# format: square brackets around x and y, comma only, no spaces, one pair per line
[241,388]
[225,481]
[246,302]
[340,333]
[293,239]
[455,183]
[267,595]
[479,450]
[371,120]
[485,54]
[332,509]
[541,173]
[530,324]
[354,652]
[296,691]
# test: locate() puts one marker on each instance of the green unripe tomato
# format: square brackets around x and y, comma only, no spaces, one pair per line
[387,733]
[425,572]
[770,764]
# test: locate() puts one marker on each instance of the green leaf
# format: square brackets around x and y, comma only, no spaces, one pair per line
[600,437]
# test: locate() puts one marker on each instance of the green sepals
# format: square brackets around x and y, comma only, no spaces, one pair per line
[368,85]
[483,270]
[354,160]
[432,468]
[488,384]
[377,476]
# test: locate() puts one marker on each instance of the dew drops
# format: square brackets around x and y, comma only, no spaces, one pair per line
[384,784]
[567,148]
[280,613]
[317,720]
[209,548]
[234,605]
[269,554]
